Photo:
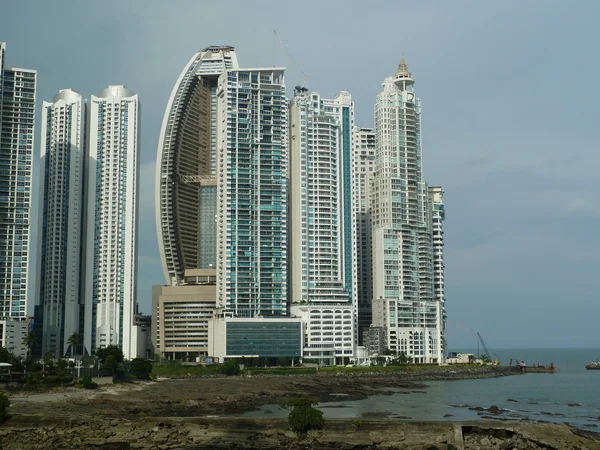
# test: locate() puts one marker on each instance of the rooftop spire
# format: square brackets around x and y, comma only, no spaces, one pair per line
[402,70]
[403,78]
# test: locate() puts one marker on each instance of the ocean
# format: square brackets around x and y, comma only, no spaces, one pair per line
[570,396]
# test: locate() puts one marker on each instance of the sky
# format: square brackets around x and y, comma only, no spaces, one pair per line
[510,125]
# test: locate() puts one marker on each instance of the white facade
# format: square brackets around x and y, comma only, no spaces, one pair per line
[12,336]
[321,220]
[363,166]
[63,156]
[112,202]
[17,121]
[329,332]
[438,215]
[403,271]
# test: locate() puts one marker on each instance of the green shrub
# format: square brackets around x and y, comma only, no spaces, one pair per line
[281,370]
[141,368]
[87,383]
[230,367]
[303,416]
[51,380]
[4,404]
[357,423]
[33,379]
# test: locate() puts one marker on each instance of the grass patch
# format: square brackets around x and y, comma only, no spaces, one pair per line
[178,370]
[281,370]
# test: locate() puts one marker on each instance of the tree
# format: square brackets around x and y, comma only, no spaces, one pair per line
[230,367]
[74,341]
[30,340]
[49,362]
[111,350]
[6,356]
[303,416]
[61,366]
[110,363]
[141,368]
[4,404]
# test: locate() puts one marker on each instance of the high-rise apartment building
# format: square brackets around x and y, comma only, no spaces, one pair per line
[252,183]
[363,165]
[403,269]
[321,262]
[186,166]
[112,220]
[17,117]
[437,217]
[186,207]
[63,153]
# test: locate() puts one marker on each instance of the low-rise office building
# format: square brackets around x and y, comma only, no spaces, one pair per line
[258,337]
[180,315]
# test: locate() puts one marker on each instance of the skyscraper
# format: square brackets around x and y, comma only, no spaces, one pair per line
[252,181]
[187,152]
[321,222]
[17,117]
[403,271]
[112,220]
[438,215]
[363,164]
[63,153]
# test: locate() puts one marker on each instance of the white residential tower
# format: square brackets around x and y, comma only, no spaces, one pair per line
[17,118]
[322,280]
[63,154]
[112,220]
[403,271]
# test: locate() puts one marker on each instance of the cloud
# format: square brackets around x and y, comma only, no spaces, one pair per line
[580,206]
[509,124]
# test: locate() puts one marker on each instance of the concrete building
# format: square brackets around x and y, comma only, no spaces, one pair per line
[252,203]
[363,165]
[375,339]
[63,154]
[17,120]
[403,270]
[12,336]
[321,263]
[112,220]
[180,315]
[186,161]
[142,336]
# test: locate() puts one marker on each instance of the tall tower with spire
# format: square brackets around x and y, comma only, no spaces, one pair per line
[403,271]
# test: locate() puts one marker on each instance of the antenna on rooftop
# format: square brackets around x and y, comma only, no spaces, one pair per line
[305,81]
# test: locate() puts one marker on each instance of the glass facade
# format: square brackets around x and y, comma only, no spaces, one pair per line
[253,189]
[208,227]
[187,151]
[264,339]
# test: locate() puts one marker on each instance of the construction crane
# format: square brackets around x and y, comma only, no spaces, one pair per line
[494,362]
[289,54]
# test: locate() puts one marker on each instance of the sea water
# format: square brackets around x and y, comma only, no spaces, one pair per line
[570,396]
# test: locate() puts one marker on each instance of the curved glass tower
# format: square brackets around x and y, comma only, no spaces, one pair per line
[186,166]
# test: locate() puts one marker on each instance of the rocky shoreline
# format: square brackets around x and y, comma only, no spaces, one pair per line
[322,387]
[227,433]
[188,413]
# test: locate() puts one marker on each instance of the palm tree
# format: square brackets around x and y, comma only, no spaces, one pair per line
[30,340]
[74,341]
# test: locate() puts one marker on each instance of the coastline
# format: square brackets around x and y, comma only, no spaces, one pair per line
[196,413]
